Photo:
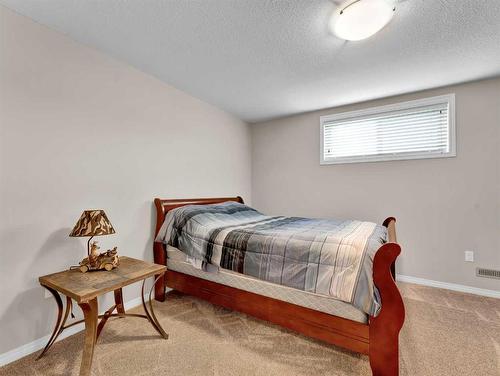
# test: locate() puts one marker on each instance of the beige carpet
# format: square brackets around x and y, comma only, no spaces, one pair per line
[445,333]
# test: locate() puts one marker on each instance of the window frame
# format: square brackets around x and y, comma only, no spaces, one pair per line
[408,105]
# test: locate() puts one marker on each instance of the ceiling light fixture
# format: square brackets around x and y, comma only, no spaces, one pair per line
[361,19]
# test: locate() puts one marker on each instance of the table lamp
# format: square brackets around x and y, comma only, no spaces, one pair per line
[92,223]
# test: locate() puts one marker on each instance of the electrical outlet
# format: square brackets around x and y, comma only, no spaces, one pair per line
[47,293]
[469,256]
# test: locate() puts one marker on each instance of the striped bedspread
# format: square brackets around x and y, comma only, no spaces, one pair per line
[322,256]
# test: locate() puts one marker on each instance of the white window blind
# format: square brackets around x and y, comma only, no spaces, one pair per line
[410,130]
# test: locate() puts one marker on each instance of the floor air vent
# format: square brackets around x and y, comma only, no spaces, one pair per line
[488,273]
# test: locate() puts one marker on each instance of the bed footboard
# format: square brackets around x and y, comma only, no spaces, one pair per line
[384,329]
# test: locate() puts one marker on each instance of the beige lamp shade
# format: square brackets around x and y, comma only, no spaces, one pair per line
[93,223]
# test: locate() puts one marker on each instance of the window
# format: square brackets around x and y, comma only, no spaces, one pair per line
[410,130]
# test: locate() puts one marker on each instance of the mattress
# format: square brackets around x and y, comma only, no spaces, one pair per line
[177,262]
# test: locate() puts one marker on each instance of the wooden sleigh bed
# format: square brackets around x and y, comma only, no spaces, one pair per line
[378,338]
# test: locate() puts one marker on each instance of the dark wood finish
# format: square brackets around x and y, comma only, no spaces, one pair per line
[160,257]
[378,338]
[332,329]
[86,287]
[384,329]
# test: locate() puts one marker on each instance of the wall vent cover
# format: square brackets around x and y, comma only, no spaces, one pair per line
[488,273]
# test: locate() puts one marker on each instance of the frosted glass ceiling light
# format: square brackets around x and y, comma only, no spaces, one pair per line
[361,19]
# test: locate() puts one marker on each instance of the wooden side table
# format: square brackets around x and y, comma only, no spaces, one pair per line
[84,288]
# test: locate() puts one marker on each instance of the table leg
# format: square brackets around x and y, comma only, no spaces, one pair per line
[151,315]
[60,320]
[120,308]
[104,320]
[90,313]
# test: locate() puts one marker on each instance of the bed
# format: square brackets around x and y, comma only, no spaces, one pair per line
[341,322]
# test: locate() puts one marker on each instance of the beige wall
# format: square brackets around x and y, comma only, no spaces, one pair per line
[443,206]
[80,130]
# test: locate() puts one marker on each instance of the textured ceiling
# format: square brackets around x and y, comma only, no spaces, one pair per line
[261,59]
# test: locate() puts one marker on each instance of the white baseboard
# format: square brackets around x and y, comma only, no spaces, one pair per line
[449,286]
[40,343]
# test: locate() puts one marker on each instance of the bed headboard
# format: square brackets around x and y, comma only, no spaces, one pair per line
[163,206]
